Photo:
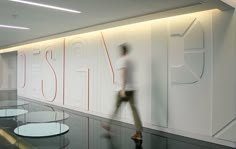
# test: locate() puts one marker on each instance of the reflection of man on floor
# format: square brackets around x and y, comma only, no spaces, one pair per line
[126,89]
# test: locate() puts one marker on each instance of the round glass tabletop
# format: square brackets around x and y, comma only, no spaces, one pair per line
[11,112]
[12,103]
[45,116]
[41,129]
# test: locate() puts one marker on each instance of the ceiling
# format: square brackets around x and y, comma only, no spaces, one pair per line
[47,22]
[232,3]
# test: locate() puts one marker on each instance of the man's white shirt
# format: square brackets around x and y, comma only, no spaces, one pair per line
[125,63]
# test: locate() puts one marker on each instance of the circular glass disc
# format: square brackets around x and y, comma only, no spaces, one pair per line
[11,103]
[41,129]
[11,112]
[46,116]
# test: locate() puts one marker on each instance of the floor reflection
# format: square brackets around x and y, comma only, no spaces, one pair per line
[86,133]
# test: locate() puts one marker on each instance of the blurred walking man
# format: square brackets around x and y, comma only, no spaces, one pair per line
[126,90]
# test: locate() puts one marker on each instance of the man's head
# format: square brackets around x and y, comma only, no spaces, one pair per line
[124,49]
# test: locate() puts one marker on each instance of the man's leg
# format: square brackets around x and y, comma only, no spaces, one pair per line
[117,106]
[137,120]
[116,110]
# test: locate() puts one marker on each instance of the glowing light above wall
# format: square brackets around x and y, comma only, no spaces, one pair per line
[45,6]
[90,30]
[13,27]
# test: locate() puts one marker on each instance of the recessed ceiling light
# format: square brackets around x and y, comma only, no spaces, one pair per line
[46,6]
[13,27]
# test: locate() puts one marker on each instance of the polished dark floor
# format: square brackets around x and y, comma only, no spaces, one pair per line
[86,133]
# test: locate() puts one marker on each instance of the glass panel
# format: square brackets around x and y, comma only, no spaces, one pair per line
[8,94]
[41,129]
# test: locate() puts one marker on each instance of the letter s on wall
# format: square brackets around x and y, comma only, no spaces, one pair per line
[55,77]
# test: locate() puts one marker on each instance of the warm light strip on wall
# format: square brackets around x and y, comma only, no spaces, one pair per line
[93,31]
[45,6]
[14,27]
[8,50]
[159,19]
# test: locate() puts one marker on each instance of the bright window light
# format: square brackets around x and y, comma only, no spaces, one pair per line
[46,6]
[13,27]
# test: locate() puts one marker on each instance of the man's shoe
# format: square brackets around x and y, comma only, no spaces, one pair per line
[137,136]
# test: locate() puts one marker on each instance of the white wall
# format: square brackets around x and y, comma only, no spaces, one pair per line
[190,73]
[184,66]
[88,66]
[224,97]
